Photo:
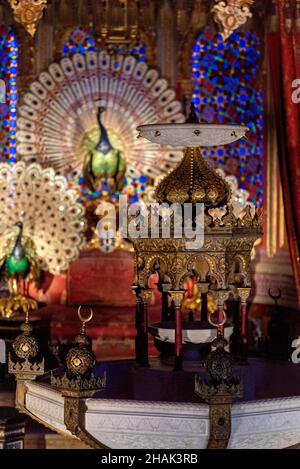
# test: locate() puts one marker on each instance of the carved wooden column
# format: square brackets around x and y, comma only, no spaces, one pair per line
[177,297]
[244,294]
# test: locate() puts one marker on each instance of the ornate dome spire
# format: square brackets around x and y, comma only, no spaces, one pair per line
[194,181]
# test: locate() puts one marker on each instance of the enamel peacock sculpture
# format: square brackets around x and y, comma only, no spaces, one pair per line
[42,229]
[62,121]
[104,162]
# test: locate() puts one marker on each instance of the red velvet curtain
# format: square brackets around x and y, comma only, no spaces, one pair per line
[284,53]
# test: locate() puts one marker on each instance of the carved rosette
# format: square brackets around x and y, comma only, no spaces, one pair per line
[219,363]
[231,14]
[26,346]
[80,361]
[28,13]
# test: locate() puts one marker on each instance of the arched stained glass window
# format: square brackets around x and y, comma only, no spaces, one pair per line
[82,40]
[8,110]
[226,90]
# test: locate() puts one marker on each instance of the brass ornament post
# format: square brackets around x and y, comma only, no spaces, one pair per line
[79,383]
[177,297]
[219,392]
[243,294]
[25,362]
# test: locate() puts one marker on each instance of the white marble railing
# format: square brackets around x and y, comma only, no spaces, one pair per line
[273,423]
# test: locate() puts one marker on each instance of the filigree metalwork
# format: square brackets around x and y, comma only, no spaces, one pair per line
[26,345]
[79,379]
[79,385]
[28,13]
[218,391]
[231,14]
[80,360]
[223,247]
[193,181]
[74,419]
[27,364]
[26,367]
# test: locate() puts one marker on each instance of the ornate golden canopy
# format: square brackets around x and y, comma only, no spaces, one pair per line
[193,181]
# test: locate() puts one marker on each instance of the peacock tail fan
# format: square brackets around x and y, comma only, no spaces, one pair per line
[57,123]
[53,221]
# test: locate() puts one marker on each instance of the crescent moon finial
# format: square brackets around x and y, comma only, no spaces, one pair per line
[275,297]
[84,320]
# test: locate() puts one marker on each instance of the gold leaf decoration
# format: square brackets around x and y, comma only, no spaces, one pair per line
[231,14]
[28,13]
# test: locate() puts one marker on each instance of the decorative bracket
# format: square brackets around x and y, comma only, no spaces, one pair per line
[219,392]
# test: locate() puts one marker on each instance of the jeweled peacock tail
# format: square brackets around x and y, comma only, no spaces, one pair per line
[57,124]
[37,204]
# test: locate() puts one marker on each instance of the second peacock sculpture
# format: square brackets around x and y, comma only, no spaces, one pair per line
[42,230]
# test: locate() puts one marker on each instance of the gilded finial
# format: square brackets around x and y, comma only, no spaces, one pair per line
[26,345]
[79,379]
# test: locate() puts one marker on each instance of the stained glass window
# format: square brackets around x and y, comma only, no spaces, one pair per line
[8,110]
[82,40]
[2,92]
[226,90]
